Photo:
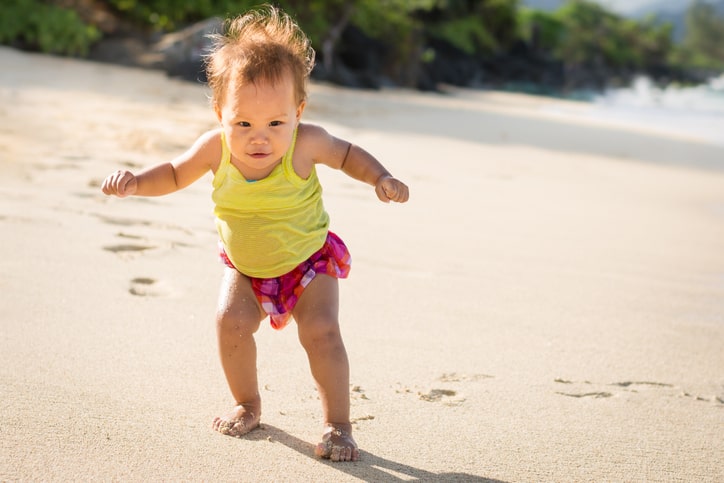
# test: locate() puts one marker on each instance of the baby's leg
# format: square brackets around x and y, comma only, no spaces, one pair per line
[237,319]
[316,314]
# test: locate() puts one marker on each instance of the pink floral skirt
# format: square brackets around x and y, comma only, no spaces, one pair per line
[278,296]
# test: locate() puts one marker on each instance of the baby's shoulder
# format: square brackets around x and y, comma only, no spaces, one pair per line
[207,149]
[211,138]
[312,139]
[310,132]
[209,143]
[317,146]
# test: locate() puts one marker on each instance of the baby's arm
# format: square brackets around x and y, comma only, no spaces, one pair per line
[361,165]
[358,164]
[167,177]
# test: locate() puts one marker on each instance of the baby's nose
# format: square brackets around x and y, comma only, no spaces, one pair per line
[257,140]
[259,137]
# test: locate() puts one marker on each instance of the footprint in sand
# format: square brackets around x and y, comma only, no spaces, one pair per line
[451,397]
[435,395]
[127,247]
[147,287]
[132,222]
[595,395]
[587,389]
[112,220]
[457,377]
[584,391]
[358,393]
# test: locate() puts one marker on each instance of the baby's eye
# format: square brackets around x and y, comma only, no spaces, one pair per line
[275,123]
[244,124]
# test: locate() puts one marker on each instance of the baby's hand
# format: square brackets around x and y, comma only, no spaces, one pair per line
[391,189]
[120,183]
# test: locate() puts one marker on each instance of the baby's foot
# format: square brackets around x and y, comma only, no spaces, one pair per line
[337,443]
[240,420]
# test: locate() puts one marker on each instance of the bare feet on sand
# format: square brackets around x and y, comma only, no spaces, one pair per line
[337,443]
[242,419]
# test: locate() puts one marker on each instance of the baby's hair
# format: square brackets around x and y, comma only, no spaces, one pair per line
[263,44]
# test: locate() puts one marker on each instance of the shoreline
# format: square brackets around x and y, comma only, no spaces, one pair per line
[505,119]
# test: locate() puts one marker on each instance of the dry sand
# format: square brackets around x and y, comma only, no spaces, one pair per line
[549,306]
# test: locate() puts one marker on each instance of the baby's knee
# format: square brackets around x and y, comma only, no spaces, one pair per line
[324,331]
[236,324]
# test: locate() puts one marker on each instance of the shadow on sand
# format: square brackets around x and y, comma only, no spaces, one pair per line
[370,467]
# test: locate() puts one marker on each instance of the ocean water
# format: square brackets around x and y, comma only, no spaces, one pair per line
[692,111]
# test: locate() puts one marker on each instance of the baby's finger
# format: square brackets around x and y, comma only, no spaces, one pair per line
[403,194]
[121,184]
[381,194]
[109,184]
[390,190]
[397,191]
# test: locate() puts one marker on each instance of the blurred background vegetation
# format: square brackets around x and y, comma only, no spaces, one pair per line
[580,36]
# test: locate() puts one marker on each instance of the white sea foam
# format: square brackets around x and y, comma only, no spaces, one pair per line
[695,111]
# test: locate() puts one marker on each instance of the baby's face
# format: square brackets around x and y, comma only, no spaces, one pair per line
[259,122]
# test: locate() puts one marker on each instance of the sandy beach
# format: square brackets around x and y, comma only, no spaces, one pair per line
[549,306]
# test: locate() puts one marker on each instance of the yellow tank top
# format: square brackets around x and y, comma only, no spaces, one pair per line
[271,225]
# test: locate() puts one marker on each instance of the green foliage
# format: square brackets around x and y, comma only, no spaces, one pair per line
[391,19]
[593,36]
[467,34]
[167,15]
[704,43]
[587,32]
[541,29]
[500,17]
[652,41]
[480,27]
[317,17]
[395,23]
[47,27]
[581,33]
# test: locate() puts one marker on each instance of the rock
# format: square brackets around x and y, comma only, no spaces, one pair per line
[181,54]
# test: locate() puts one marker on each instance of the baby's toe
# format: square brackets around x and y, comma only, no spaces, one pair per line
[341,454]
[337,445]
[323,450]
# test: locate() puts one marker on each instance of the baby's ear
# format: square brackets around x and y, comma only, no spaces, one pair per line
[300,110]
[217,111]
